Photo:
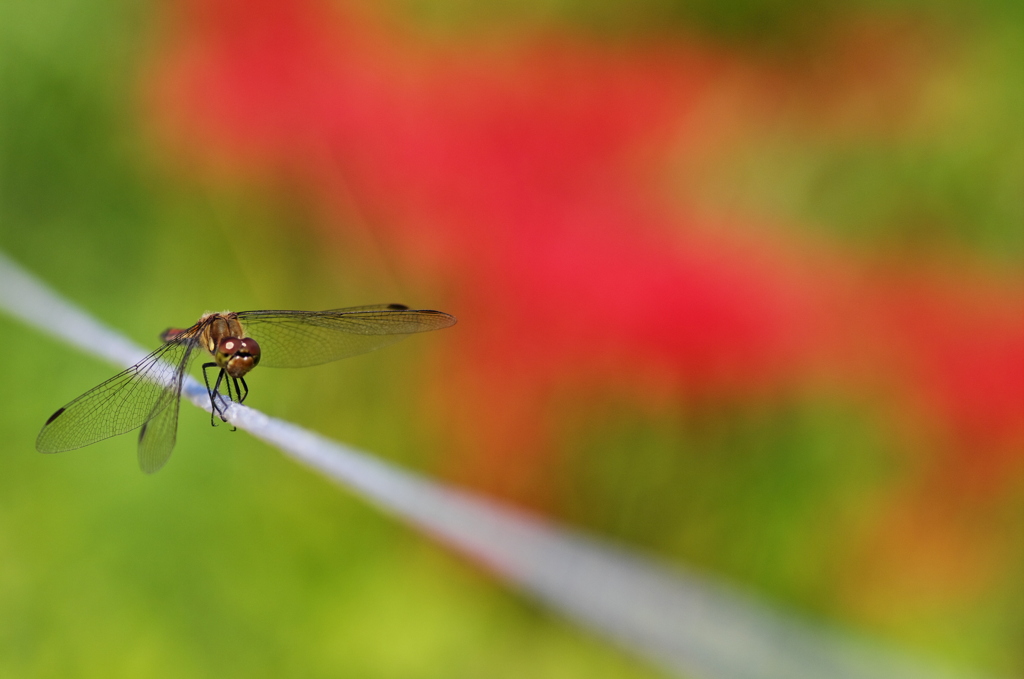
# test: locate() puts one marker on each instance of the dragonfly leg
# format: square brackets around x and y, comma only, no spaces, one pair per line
[214,408]
[213,403]
[227,383]
[216,392]
[231,397]
[241,396]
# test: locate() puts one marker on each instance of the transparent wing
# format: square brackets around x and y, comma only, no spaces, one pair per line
[124,402]
[296,339]
[156,440]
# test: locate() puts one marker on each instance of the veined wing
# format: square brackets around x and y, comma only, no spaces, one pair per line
[123,403]
[156,440]
[296,339]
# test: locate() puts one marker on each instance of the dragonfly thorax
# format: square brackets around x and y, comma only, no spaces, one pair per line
[217,327]
[237,356]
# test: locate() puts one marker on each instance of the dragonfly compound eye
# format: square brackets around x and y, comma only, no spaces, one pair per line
[252,348]
[245,357]
[227,347]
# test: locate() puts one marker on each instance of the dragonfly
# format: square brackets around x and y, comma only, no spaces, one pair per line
[148,394]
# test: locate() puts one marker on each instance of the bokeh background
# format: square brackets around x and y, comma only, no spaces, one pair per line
[740,284]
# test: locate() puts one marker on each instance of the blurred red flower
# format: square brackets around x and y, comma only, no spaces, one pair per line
[521,178]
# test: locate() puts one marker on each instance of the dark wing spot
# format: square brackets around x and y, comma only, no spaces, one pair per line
[397,307]
[54,416]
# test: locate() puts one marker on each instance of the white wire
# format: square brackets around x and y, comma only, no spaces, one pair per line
[688,624]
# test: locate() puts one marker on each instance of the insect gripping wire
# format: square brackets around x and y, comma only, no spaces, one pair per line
[686,623]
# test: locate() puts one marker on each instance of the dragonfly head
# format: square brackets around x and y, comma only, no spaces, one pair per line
[237,356]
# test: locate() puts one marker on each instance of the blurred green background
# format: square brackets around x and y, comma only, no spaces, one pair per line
[234,562]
